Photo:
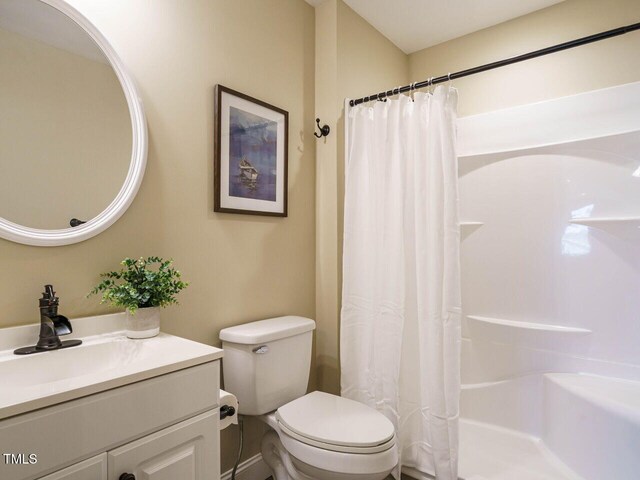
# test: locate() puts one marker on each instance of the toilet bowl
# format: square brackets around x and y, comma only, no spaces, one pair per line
[326,437]
[317,436]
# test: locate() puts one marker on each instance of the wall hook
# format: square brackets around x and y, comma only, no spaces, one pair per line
[324,130]
[74,222]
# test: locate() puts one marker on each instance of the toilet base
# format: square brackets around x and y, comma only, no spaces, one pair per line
[278,459]
[319,474]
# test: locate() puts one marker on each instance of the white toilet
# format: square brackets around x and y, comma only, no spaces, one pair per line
[315,436]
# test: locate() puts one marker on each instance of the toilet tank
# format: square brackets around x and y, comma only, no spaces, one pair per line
[266,363]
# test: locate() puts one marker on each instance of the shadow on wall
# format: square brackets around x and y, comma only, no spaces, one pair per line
[328,374]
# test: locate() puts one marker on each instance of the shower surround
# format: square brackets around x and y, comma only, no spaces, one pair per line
[550,210]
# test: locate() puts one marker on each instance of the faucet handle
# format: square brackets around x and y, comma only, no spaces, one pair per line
[49,293]
[49,297]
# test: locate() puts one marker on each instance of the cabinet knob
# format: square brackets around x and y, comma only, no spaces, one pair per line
[127,476]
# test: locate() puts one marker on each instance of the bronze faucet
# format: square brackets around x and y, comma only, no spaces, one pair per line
[52,326]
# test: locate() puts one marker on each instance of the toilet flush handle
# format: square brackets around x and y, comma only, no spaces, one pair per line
[261,349]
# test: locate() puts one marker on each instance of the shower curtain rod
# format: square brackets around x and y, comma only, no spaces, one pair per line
[501,63]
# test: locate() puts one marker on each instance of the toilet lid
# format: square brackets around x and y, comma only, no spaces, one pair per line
[334,420]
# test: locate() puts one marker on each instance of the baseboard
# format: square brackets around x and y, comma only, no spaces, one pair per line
[252,468]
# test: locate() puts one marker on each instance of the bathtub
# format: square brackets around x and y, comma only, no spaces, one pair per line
[592,424]
[551,426]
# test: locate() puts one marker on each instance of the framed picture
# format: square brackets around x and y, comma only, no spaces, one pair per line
[251,144]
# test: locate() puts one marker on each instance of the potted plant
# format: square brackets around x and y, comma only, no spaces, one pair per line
[141,287]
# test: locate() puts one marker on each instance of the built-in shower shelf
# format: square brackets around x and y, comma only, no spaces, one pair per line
[623,227]
[467,228]
[527,325]
[500,329]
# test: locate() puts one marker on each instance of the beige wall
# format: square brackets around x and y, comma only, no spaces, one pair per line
[241,267]
[352,59]
[603,64]
[327,202]
[367,61]
[64,123]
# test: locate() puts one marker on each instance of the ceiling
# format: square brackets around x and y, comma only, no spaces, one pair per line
[416,24]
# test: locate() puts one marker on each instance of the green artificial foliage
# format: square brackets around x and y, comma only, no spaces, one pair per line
[142,283]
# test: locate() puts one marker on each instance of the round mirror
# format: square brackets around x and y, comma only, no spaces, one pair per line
[73,135]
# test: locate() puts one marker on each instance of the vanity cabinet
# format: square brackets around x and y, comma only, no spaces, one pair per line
[184,451]
[94,468]
[162,428]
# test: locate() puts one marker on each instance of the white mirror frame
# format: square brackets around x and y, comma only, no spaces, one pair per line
[50,238]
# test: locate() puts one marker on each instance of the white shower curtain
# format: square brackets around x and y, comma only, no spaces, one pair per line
[400,325]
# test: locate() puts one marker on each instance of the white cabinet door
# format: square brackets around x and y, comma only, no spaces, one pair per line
[186,451]
[94,468]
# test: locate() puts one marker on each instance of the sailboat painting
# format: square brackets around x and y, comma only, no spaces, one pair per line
[250,157]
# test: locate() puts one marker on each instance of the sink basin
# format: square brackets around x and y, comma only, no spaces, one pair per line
[104,361]
[91,358]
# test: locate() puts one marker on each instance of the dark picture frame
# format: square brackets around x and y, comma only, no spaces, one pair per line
[251,144]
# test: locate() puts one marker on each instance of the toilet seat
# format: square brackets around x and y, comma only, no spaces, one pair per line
[337,424]
[337,448]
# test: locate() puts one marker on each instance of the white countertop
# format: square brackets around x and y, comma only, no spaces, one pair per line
[106,359]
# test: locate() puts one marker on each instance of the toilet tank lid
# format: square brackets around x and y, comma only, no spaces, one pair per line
[267,330]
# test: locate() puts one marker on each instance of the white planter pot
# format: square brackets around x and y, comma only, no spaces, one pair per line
[144,324]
